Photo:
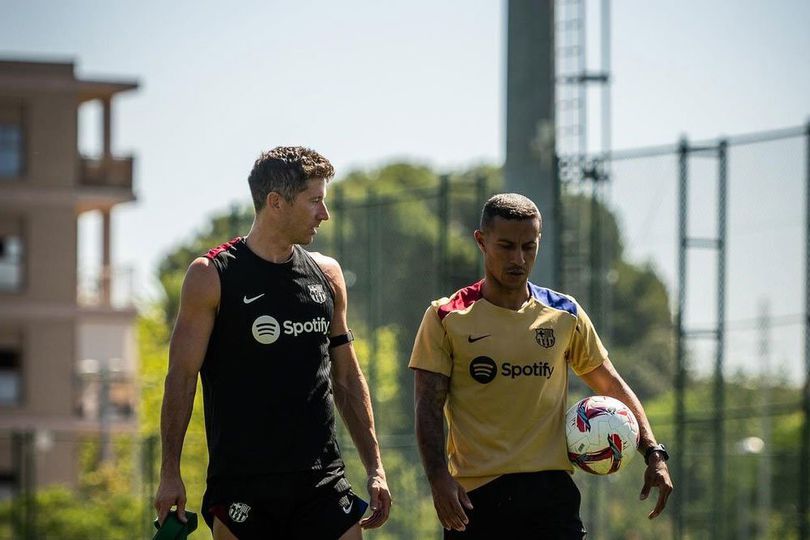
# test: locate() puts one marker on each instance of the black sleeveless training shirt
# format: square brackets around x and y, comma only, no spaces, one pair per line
[267,388]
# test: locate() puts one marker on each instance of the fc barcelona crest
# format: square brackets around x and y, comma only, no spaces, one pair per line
[317,293]
[238,512]
[545,337]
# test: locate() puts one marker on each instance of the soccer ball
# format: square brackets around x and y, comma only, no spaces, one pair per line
[602,434]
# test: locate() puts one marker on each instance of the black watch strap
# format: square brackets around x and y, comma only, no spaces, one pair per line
[655,448]
[341,339]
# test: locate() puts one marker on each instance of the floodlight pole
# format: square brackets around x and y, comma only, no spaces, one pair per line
[530,132]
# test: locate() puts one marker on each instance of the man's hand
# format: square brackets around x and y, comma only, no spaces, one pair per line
[657,475]
[380,501]
[450,500]
[171,492]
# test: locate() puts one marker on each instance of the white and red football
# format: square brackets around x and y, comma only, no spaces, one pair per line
[602,434]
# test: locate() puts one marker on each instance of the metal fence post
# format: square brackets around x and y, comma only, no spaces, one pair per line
[372,225]
[29,486]
[719,382]
[804,460]
[481,190]
[680,352]
[444,218]
[339,234]
[17,493]
[148,471]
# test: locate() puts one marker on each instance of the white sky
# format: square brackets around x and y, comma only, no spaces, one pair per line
[366,82]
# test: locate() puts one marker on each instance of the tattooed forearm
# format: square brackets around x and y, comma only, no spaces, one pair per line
[430,393]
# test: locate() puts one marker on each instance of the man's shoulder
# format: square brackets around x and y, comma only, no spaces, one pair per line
[201,283]
[222,255]
[553,299]
[324,261]
[330,268]
[461,300]
[328,265]
[226,247]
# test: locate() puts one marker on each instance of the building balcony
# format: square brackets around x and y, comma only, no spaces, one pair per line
[104,183]
[107,172]
[106,288]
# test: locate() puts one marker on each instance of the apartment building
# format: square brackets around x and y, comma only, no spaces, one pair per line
[67,346]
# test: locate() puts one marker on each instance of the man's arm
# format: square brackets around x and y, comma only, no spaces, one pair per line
[198,303]
[606,381]
[449,497]
[353,400]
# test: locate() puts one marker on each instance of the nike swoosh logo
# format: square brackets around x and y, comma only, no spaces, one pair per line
[471,339]
[347,509]
[249,300]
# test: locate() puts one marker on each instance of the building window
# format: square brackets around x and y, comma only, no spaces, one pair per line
[10,376]
[11,150]
[11,262]
[12,140]
[8,484]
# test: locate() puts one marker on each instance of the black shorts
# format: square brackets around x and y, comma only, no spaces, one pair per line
[310,504]
[542,505]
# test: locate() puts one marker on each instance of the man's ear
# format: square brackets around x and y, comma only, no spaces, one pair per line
[274,200]
[479,239]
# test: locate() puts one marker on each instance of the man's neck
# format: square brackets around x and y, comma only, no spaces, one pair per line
[268,244]
[506,298]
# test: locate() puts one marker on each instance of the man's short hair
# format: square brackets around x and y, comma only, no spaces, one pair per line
[509,206]
[286,170]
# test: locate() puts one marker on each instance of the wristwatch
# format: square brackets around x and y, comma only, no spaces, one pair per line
[655,448]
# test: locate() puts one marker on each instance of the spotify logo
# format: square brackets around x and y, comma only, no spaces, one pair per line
[483,369]
[266,330]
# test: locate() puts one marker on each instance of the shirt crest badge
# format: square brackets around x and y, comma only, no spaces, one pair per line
[545,337]
[317,293]
[238,512]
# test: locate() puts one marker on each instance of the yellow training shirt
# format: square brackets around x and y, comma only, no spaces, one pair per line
[508,378]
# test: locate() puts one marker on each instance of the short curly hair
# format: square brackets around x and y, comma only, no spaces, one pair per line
[509,206]
[286,170]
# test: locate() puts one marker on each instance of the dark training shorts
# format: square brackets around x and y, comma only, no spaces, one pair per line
[542,505]
[305,505]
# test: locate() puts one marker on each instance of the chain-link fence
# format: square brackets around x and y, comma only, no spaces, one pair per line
[722,225]
[71,485]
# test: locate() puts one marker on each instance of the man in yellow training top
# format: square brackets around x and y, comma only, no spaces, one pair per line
[495,356]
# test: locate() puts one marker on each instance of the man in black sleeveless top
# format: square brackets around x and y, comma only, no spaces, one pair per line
[264,324]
